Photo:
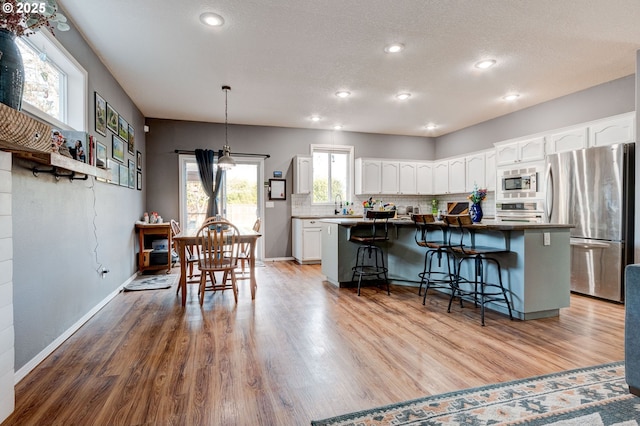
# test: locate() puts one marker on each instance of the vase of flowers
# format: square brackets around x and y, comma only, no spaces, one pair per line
[21,19]
[476,197]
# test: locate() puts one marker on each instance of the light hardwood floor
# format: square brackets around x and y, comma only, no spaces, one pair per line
[302,350]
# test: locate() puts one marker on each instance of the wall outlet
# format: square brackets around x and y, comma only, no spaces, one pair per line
[546,238]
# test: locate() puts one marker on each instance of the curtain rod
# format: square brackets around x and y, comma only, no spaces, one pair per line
[242,154]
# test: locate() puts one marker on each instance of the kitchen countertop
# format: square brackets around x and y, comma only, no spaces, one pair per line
[489,225]
[327,216]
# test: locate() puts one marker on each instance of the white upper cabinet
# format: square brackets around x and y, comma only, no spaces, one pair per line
[490,170]
[457,174]
[508,153]
[520,151]
[407,178]
[424,178]
[302,174]
[568,140]
[374,176]
[618,129]
[475,167]
[390,177]
[441,177]
[368,176]
[532,150]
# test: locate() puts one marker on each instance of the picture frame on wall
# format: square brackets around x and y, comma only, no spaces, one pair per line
[114,172]
[132,174]
[131,139]
[101,155]
[277,189]
[112,119]
[124,175]
[100,115]
[123,128]
[117,148]
[139,181]
[138,160]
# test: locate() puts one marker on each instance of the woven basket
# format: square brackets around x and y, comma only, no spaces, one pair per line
[19,131]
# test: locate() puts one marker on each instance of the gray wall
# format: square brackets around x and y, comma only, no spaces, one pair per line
[64,231]
[165,136]
[605,100]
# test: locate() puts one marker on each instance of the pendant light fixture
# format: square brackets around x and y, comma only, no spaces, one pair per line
[226,162]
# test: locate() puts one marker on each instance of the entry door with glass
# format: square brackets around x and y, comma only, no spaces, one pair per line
[240,195]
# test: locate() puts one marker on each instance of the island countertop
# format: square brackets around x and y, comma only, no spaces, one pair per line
[535,268]
[490,225]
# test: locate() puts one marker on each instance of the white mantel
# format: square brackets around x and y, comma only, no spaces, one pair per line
[7,397]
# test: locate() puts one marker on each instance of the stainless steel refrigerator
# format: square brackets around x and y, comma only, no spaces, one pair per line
[593,190]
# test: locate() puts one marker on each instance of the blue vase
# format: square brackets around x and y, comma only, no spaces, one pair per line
[11,71]
[475,211]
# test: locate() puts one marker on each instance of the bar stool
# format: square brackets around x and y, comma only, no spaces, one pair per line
[482,292]
[438,248]
[368,248]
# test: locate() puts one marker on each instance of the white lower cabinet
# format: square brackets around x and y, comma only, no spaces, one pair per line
[307,240]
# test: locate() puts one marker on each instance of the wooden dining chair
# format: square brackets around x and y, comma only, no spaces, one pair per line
[190,258]
[217,251]
[245,249]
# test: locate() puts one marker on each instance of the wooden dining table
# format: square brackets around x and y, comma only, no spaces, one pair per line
[184,239]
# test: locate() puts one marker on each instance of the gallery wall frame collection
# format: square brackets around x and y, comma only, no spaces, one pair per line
[124,170]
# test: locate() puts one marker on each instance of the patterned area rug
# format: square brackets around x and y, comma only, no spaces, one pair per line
[152,282]
[588,396]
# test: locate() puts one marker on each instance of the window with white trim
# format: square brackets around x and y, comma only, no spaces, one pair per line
[332,173]
[55,88]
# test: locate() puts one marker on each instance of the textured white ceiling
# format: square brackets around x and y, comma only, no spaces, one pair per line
[284,60]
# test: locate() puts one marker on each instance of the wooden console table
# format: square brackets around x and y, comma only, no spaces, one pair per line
[159,229]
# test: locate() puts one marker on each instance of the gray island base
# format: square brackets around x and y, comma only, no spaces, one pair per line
[536,272]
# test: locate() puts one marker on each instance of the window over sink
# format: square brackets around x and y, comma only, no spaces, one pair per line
[332,174]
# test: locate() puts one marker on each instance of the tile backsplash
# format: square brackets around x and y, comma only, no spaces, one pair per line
[301,203]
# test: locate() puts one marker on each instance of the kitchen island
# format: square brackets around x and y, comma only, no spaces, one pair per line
[536,271]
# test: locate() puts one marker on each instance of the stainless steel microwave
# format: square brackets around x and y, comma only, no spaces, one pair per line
[525,183]
[519,183]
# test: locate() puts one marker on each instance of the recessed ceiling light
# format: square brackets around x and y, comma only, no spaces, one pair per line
[212,19]
[343,94]
[337,127]
[315,118]
[511,97]
[394,48]
[430,126]
[487,63]
[403,96]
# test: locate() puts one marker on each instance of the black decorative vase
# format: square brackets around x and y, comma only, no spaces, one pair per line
[475,211]
[11,71]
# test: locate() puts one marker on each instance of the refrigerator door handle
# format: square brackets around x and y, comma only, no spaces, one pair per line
[586,244]
[548,205]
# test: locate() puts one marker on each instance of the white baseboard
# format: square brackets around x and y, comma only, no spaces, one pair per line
[33,363]
[277,259]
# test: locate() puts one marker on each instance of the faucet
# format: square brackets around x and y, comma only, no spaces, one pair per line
[337,209]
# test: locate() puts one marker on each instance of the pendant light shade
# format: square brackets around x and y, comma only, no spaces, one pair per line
[226,162]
